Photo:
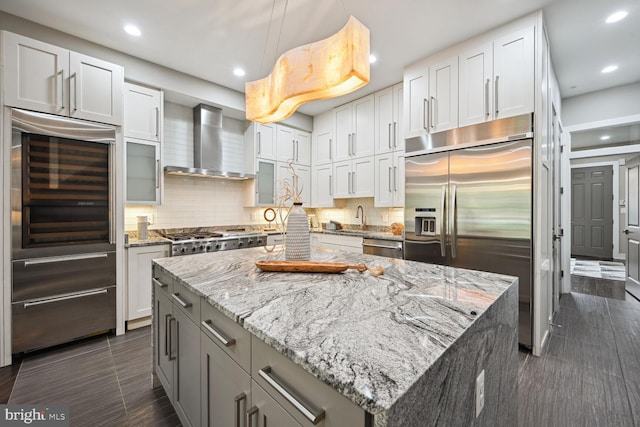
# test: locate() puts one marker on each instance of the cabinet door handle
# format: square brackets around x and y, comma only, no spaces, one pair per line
[389,135]
[395,134]
[259,143]
[349,144]
[313,415]
[250,413]
[330,151]
[425,114]
[171,357]
[157,122]
[293,150]
[395,178]
[226,341]
[353,143]
[486,98]
[180,301]
[331,185]
[495,95]
[349,184]
[433,112]
[167,325]
[62,89]
[157,173]
[353,182]
[297,151]
[242,397]
[74,76]
[389,185]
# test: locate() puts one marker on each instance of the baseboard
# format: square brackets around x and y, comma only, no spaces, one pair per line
[138,323]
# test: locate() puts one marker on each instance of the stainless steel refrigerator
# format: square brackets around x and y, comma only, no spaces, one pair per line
[468,203]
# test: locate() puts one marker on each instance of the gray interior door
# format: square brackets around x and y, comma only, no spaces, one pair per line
[591,212]
[632,229]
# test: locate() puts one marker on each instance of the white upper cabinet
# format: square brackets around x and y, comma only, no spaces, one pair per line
[497,79]
[388,134]
[302,182]
[322,139]
[143,112]
[354,178]
[42,77]
[416,92]
[259,143]
[322,186]
[389,177]
[491,80]
[513,69]
[476,85]
[443,95]
[293,145]
[354,129]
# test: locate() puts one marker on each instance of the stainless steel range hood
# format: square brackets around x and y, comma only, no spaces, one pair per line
[207,147]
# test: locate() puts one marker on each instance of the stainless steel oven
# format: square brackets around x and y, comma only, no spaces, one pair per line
[63,246]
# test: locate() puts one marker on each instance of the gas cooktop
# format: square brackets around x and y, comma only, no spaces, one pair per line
[199,241]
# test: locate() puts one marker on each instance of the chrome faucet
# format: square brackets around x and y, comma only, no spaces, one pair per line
[359,210]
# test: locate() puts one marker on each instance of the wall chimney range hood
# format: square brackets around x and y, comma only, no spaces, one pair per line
[207,147]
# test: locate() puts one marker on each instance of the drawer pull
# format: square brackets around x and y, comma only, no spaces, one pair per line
[227,342]
[64,298]
[312,415]
[159,283]
[239,398]
[180,301]
[64,258]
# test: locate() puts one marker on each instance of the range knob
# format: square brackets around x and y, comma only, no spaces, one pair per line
[183,250]
[250,242]
[193,249]
[201,248]
[217,245]
[240,244]
[208,248]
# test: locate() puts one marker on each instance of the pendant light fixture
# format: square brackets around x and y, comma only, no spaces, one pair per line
[325,69]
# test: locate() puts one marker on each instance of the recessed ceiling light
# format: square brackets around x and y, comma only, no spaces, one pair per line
[239,72]
[132,30]
[609,68]
[604,137]
[372,59]
[618,16]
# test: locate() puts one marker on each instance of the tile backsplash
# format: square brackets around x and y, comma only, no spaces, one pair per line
[199,202]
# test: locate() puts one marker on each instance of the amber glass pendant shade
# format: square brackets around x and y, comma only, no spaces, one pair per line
[325,69]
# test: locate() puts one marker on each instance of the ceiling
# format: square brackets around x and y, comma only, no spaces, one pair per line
[208,39]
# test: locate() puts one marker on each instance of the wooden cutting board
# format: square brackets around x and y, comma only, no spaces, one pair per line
[307,266]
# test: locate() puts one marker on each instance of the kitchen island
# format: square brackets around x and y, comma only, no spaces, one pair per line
[403,349]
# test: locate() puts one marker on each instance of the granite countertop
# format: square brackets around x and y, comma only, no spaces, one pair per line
[370,338]
[151,241]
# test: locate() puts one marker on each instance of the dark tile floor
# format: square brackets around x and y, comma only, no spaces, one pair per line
[105,380]
[589,374]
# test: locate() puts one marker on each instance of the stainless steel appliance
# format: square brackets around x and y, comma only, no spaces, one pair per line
[63,250]
[382,247]
[468,203]
[196,241]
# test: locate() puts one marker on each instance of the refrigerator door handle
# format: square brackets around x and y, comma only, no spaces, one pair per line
[442,222]
[454,222]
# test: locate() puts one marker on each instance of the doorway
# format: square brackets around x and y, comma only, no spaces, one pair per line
[591,212]
[632,228]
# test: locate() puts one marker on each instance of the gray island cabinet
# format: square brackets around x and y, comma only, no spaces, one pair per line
[235,346]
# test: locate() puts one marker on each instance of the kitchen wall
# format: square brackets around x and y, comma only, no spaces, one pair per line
[606,104]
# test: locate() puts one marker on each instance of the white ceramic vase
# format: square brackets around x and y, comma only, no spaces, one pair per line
[297,239]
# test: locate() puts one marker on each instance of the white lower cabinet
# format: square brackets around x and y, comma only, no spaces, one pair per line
[138,285]
[337,242]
